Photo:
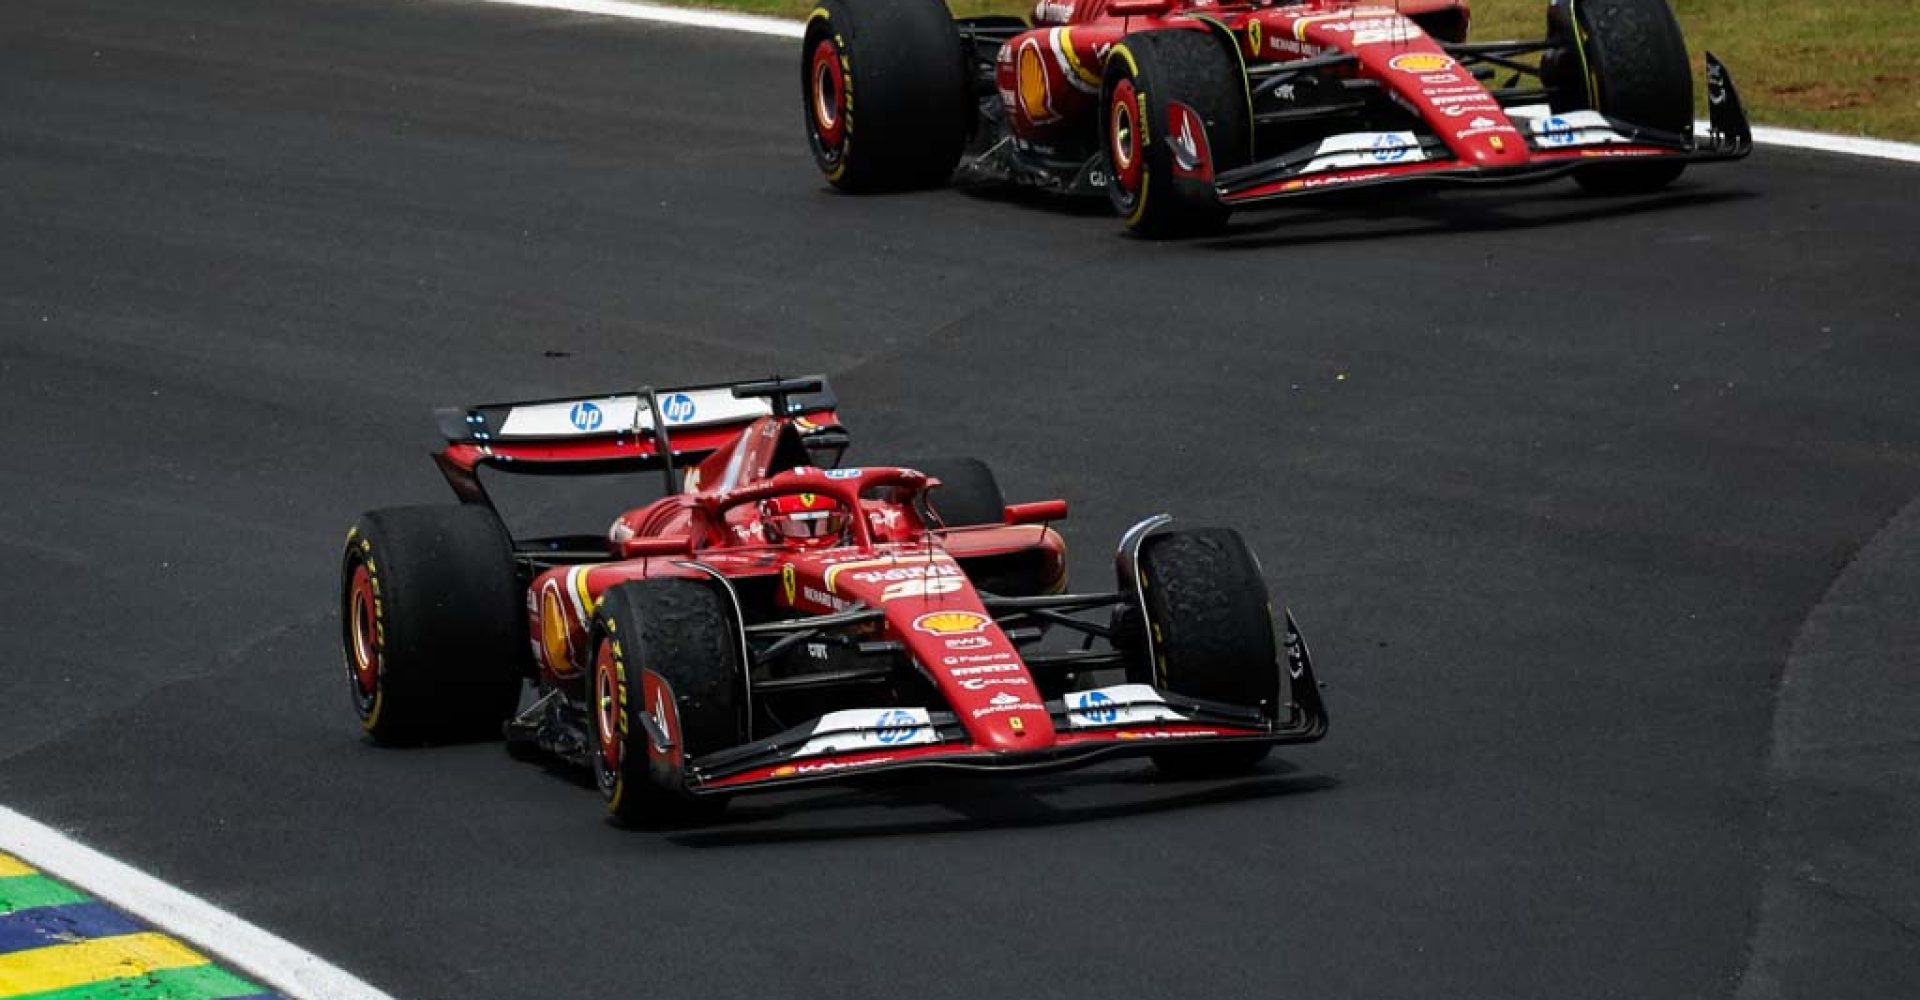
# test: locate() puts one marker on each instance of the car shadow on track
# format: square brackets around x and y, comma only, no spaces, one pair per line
[1035,199]
[903,806]
[1354,216]
[1351,216]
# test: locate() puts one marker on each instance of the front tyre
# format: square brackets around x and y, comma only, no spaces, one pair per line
[1627,60]
[432,623]
[667,687]
[1210,623]
[888,106]
[1175,113]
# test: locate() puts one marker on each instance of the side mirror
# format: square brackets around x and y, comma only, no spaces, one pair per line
[1139,8]
[1037,512]
[668,545]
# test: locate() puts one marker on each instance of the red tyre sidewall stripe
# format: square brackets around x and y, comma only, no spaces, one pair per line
[364,634]
[1129,159]
[829,118]
[609,708]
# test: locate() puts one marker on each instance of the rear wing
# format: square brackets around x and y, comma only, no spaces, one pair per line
[636,431]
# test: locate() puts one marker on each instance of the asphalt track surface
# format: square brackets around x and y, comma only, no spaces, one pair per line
[1592,510]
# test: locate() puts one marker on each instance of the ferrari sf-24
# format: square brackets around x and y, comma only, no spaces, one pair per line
[778,618]
[1183,111]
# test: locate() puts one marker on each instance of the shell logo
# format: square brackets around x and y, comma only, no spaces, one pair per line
[1036,95]
[1421,62]
[555,642]
[951,623]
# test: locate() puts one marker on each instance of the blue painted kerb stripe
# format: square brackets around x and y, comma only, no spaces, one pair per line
[43,926]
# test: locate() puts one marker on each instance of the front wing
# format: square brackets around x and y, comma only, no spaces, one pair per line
[1558,145]
[1117,721]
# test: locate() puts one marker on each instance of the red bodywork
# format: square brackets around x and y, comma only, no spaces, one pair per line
[891,561]
[1050,77]
[1050,83]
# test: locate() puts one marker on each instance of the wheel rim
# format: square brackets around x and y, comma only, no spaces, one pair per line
[363,636]
[827,92]
[607,711]
[1123,142]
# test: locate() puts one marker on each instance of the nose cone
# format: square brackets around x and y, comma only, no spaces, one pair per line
[932,608]
[1504,148]
[1456,105]
[981,675]
[1013,720]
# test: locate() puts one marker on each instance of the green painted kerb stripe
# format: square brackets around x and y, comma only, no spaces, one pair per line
[24,892]
[197,982]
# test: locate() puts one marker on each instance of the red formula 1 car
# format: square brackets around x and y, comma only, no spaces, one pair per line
[776,619]
[1184,110]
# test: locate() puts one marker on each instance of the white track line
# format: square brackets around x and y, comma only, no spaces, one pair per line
[750,23]
[274,961]
[757,25]
[1825,142]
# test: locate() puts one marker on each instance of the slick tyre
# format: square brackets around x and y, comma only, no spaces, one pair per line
[1175,114]
[968,495]
[887,101]
[1627,60]
[1205,606]
[433,623]
[667,687]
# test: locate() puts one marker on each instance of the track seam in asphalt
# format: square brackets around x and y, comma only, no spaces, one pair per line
[1829,703]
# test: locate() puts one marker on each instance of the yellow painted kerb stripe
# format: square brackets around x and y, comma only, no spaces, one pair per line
[11,866]
[82,962]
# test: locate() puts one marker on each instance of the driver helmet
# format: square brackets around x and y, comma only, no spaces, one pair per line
[807,519]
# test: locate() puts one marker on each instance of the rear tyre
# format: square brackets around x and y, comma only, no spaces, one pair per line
[1175,114]
[968,495]
[903,62]
[667,652]
[433,623]
[1211,623]
[1628,60]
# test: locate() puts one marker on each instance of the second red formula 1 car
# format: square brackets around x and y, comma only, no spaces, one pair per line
[1182,111]
[776,619]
